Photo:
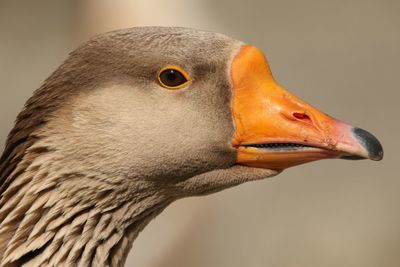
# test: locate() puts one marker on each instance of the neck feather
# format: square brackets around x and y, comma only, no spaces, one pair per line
[47,220]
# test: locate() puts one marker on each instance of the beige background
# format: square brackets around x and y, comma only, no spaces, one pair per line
[341,56]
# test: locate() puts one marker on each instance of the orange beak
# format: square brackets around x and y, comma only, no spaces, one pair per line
[277,130]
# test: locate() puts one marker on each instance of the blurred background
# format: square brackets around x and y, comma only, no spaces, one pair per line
[341,56]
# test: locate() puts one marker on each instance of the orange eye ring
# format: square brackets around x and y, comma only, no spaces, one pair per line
[173,78]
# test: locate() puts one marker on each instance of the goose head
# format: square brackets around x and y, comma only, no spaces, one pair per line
[135,119]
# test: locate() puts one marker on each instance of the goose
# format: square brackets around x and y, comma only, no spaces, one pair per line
[137,118]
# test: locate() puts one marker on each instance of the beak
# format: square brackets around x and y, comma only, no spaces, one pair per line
[277,130]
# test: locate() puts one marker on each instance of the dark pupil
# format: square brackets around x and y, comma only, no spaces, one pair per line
[172,78]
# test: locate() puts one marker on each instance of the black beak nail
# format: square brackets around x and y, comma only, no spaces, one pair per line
[369,142]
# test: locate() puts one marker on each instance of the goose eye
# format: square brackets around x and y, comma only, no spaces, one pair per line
[173,78]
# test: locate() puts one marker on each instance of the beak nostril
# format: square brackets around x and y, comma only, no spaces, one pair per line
[302,116]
